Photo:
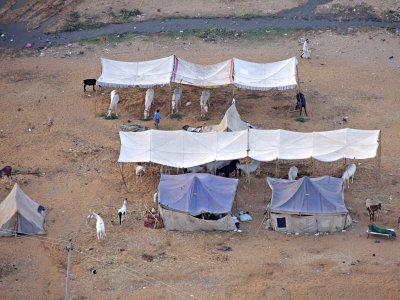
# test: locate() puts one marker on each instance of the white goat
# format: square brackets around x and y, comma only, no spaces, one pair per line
[251,167]
[122,211]
[176,99]
[213,166]
[205,95]
[292,175]
[148,101]
[349,173]
[140,170]
[114,99]
[100,228]
[195,169]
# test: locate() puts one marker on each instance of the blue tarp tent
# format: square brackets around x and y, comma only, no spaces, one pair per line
[308,205]
[183,196]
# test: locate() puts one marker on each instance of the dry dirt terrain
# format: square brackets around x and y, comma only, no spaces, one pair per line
[349,75]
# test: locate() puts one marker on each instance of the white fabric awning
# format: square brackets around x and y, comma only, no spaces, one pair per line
[202,75]
[121,74]
[280,75]
[268,145]
[181,149]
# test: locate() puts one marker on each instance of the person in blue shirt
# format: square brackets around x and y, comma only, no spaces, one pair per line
[157,118]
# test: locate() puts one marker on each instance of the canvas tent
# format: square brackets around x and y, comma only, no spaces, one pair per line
[19,214]
[215,75]
[231,122]
[144,74]
[182,197]
[308,205]
[280,75]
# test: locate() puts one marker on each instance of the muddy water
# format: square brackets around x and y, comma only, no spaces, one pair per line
[303,17]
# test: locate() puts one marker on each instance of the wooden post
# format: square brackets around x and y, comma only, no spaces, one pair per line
[69,250]
[121,170]
[379,157]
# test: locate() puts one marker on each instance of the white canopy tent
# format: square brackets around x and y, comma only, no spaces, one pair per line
[327,146]
[202,75]
[280,75]
[144,74]
[183,149]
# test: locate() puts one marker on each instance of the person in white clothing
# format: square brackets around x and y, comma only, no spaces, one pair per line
[306,50]
[113,103]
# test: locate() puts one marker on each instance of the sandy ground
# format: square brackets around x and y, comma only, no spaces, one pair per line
[350,75]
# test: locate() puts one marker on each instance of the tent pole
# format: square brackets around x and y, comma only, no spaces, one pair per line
[379,159]
[276,168]
[170,96]
[121,170]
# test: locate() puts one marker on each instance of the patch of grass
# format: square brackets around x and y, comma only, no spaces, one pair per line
[301,120]
[74,22]
[111,38]
[126,14]
[205,118]
[104,116]
[220,34]
[145,119]
[175,116]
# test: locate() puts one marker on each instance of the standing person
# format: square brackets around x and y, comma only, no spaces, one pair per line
[157,118]
[306,50]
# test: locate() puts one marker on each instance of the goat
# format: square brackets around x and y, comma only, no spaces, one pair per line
[89,82]
[148,101]
[122,211]
[205,95]
[6,171]
[228,169]
[253,166]
[292,175]
[372,208]
[140,170]
[301,102]
[41,210]
[176,99]
[349,173]
[100,228]
[114,99]
[195,169]
[213,166]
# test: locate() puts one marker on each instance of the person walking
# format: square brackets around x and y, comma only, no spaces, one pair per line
[306,50]
[157,118]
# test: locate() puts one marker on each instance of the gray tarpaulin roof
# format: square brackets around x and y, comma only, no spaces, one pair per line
[197,193]
[322,195]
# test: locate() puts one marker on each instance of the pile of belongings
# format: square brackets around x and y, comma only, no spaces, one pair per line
[372,228]
[129,126]
[193,129]
[153,219]
[245,216]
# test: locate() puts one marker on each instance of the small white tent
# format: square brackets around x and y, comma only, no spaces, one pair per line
[20,214]
[231,122]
